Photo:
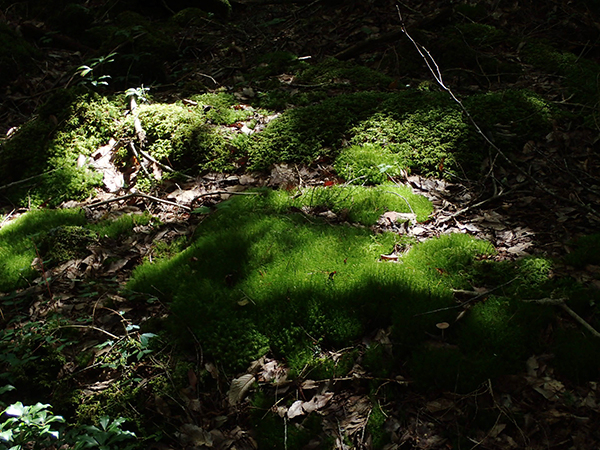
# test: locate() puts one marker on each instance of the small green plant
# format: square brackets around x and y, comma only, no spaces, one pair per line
[109,435]
[28,427]
[86,72]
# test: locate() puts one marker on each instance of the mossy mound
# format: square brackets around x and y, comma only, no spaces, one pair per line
[580,74]
[369,164]
[260,279]
[333,72]
[56,236]
[64,243]
[17,243]
[68,125]
[426,130]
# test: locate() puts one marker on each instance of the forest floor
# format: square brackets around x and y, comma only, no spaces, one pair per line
[535,203]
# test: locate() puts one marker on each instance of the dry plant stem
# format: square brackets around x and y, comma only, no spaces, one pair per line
[561,302]
[475,296]
[437,75]
[138,194]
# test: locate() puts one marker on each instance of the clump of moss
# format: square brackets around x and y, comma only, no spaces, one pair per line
[260,277]
[344,73]
[55,234]
[586,251]
[69,124]
[520,114]
[577,354]
[368,164]
[307,133]
[430,140]
[182,138]
[426,130]
[579,73]
[17,249]
[363,204]
[16,55]
[66,242]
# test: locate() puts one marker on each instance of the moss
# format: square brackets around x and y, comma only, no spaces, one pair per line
[375,427]
[363,204]
[74,19]
[64,243]
[577,354]
[189,16]
[368,164]
[69,124]
[521,113]
[307,133]
[16,55]
[261,278]
[182,138]
[344,73]
[586,250]
[580,74]
[17,250]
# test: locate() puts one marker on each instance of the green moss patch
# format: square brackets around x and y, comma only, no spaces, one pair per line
[54,235]
[69,124]
[426,131]
[363,205]
[580,74]
[259,279]
[343,73]
[17,247]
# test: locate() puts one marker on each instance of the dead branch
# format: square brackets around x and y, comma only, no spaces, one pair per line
[437,75]
[25,180]
[139,194]
[562,303]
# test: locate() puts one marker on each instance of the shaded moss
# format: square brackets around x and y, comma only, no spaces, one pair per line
[16,55]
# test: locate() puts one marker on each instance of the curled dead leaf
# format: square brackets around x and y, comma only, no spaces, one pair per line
[239,387]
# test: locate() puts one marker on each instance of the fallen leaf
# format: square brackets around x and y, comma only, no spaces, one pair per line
[239,387]
[295,410]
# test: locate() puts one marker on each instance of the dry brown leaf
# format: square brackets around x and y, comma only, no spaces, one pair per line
[295,410]
[239,387]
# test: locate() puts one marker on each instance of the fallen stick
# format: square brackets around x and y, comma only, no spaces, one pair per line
[561,302]
[139,194]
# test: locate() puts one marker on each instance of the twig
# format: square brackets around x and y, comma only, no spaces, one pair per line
[437,75]
[136,154]
[561,302]
[24,180]
[91,327]
[139,194]
[476,296]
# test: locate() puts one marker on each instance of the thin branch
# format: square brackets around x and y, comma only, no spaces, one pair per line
[139,194]
[561,302]
[25,180]
[91,327]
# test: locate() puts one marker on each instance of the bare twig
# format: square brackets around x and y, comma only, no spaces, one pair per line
[475,296]
[561,302]
[25,180]
[139,194]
